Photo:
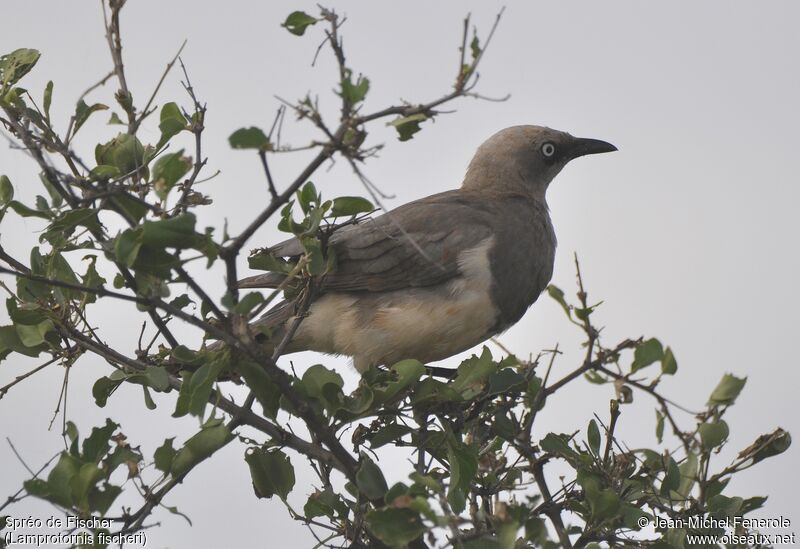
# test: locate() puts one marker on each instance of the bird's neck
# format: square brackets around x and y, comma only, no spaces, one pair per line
[503,179]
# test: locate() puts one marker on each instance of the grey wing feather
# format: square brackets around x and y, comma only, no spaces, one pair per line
[415,245]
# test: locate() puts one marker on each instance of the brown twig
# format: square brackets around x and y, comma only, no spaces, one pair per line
[4,389]
[146,110]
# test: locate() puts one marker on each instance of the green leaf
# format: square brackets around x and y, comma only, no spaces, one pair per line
[604,503]
[297,22]
[395,527]
[668,364]
[249,138]
[659,426]
[350,205]
[195,390]
[503,427]
[325,504]
[558,446]
[713,434]
[16,64]
[632,516]
[10,342]
[82,483]
[163,456]
[262,260]
[24,211]
[183,354]
[351,92]
[133,207]
[593,434]
[316,259]
[725,506]
[583,313]
[83,112]
[125,152]
[407,126]
[103,171]
[388,433]
[171,123]
[672,478]
[751,504]
[727,390]
[688,470]
[92,279]
[127,245]
[100,501]
[473,373]
[211,437]
[769,445]
[47,100]
[463,461]
[266,392]
[60,479]
[715,487]
[358,401]
[104,388]
[316,378]
[646,353]
[149,403]
[115,119]
[407,373]
[370,479]
[155,377]
[72,434]
[249,302]
[308,196]
[168,170]
[532,392]
[56,199]
[181,301]
[6,190]
[172,232]
[271,471]
[24,313]
[34,335]
[66,223]
[475,47]
[557,294]
[96,445]
[505,380]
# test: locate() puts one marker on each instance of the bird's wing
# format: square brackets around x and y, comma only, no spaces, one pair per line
[415,245]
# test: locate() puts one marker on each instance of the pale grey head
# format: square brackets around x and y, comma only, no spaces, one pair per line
[525,159]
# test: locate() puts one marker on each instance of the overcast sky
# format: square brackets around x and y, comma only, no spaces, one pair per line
[688,233]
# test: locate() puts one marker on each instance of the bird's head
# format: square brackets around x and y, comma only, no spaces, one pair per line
[525,159]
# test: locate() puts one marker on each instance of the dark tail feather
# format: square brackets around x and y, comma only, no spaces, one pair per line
[270,328]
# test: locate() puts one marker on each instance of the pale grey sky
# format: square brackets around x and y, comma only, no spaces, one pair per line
[688,233]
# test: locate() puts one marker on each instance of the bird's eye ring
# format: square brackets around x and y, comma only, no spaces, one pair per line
[548,150]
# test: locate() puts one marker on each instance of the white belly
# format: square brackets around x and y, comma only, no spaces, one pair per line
[423,323]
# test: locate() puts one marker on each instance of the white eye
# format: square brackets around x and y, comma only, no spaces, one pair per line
[548,149]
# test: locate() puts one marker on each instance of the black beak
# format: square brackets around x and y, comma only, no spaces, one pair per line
[583,146]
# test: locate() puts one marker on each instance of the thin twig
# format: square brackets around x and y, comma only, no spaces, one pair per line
[146,110]
[4,389]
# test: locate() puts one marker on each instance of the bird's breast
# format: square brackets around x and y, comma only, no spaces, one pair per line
[521,261]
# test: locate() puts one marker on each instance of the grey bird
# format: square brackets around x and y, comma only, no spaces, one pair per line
[439,275]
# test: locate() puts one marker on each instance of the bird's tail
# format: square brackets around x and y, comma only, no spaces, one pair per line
[270,329]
